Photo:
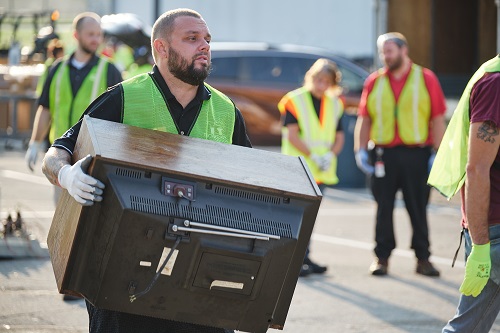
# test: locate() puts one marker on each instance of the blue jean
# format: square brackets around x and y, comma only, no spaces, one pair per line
[477,314]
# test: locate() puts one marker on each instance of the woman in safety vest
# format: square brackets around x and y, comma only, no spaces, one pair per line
[312,129]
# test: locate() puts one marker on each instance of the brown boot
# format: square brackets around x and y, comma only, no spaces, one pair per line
[424,267]
[379,267]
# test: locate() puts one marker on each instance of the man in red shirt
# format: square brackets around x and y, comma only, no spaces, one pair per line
[400,125]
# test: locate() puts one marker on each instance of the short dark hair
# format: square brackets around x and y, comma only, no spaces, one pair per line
[164,25]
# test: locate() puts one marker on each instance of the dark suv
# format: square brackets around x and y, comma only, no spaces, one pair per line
[257,75]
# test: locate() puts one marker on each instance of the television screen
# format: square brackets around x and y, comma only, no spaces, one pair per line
[191,247]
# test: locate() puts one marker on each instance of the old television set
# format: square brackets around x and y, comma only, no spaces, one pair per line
[188,230]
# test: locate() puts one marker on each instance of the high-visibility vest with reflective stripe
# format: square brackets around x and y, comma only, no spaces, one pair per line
[410,114]
[448,171]
[67,109]
[145,106]
[317,133]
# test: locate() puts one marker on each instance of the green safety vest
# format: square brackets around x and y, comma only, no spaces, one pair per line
[215,121]
[411,113]
[66,109]
[448,171]
[318,135]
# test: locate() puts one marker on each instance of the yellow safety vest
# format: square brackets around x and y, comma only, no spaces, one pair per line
[215,121]
[410,114]
[448,171]
[67,109]
[318,134]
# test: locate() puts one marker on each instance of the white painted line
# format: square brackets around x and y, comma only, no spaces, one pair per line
[342,241]
[356,211]
[370,246]
[315,236]
[25,177]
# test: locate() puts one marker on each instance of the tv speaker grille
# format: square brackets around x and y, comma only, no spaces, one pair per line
[247,195]
[128,173]
[214,215]
[152,206]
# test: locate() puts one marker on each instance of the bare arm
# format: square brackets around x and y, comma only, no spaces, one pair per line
[438,127]
[293,136]
[483,147]
[41,124]
[53,161]
[362,133]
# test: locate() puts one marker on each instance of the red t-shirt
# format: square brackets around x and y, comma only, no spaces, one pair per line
[485,106]
[438,102]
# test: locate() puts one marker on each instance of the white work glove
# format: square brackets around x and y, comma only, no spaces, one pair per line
[82,187]
[362,162]
[317,159]
[32,153]
[326,161]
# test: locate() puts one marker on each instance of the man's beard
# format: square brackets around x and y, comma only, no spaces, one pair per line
[396,64]
[86,49]
[181,69]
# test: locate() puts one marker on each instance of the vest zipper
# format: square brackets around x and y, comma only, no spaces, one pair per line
[166,103]
[172,116]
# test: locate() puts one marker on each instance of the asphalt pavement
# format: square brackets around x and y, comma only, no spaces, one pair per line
[346,299]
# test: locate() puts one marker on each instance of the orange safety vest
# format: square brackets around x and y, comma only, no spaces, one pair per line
[317,133]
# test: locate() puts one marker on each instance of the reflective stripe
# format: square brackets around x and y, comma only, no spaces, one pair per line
[416,118]
[66,108]
[306,131]
[58,89]
[97,80]
[318,132]
[408,116]
[95,86]
[378,107]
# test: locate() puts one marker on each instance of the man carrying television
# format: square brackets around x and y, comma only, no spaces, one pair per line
[172,98]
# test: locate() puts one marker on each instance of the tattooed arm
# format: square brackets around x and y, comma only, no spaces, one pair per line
[53,161]
[484,141]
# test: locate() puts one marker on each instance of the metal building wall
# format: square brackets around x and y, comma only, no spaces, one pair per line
[345,27]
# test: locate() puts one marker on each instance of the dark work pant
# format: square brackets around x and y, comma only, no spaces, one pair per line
[406,169]
[322,188]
